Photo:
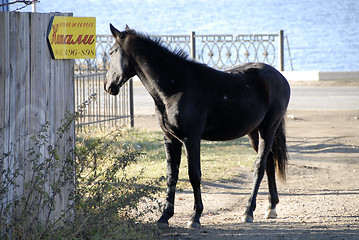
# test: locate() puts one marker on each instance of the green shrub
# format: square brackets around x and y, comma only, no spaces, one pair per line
[104,203]
[104,189]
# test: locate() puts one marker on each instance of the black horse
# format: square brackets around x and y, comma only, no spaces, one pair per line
[194,102]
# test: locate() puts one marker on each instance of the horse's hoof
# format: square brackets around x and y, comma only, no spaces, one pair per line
[193,225]
[162,225]
[162,222]
[271,214]
[246,219]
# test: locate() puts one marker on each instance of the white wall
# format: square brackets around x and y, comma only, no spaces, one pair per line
[320,76]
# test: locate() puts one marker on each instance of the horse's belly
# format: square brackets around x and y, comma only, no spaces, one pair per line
[221,136]
[229,130]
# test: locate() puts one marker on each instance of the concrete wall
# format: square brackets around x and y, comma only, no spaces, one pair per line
[320,76]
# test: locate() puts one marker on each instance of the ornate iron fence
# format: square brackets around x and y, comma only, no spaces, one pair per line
[217,51]
[227,51]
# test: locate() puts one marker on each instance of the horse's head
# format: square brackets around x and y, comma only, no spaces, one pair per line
[121,69]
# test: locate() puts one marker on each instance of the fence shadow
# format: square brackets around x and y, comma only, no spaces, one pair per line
[318,146]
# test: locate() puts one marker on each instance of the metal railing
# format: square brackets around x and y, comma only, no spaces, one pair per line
[102,109]
[227,51]
[217,51]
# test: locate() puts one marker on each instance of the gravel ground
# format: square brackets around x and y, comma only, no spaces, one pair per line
[319,200]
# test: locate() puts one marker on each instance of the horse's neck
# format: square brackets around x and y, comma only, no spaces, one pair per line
[157,93]
[148,83]
[153,78]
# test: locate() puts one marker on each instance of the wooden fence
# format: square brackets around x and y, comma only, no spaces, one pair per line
[35,94]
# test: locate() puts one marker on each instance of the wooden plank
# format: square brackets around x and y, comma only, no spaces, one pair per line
[31,108]
[21,61]
[10,105]
[4,76]
[24,86]
[68,102]
[48,88]
[58,83]
[37,93]
[4,97]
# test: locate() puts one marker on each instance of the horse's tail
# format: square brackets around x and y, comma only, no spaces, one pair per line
[279,150]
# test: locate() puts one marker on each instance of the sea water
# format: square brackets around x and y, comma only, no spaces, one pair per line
[322,34]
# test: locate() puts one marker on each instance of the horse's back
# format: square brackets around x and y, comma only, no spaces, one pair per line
[262,72]
[240,101]
[266,78]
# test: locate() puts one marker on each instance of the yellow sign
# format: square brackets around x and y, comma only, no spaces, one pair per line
[72,37]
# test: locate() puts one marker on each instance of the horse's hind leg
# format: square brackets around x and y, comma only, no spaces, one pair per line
[253,138]
[273,195]
[173,149]
[264,139]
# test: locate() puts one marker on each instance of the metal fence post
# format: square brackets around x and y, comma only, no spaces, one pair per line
[4,8]
[281,50]
[193,45]
[132,115]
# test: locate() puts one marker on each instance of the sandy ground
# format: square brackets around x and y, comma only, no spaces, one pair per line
[319,200]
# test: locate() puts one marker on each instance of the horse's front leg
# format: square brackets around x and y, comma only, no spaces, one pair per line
[192,145]
[173,149]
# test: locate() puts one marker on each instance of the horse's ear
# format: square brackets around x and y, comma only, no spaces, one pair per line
[117,34]
[127,28]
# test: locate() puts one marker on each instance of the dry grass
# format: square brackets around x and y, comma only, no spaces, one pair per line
[219,160]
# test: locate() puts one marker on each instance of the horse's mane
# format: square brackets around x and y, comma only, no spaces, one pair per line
[180,53]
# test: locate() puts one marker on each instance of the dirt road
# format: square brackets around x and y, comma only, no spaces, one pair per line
[319,200]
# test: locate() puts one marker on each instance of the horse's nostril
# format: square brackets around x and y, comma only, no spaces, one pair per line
[106,89]
[112,89]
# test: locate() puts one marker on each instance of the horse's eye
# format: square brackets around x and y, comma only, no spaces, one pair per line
[111,51]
